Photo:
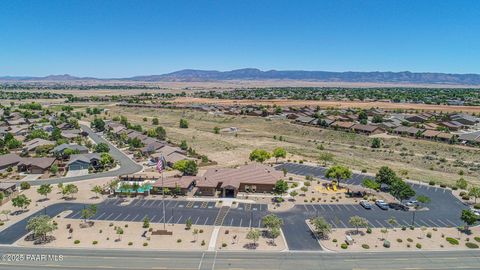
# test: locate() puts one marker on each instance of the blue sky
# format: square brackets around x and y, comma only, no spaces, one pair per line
[126,38]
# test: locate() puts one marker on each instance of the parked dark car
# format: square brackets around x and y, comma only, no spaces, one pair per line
[398,206]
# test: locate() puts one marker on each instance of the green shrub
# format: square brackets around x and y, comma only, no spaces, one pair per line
[462,193]
[224,244]
[399,240]
[24,185]
[369,230]
[466,197]
[443,185]
[76,242]
[404,228]
[477,238]
[476,206]
[344,246]
[179,240]
[386,244]
[452,241]
[431,183]
[334,240]
[365,246]
[471,245]
[429,235]
[409,240]
[145,244]
[94,242]
[130,243]
[418,245]
[200,231]
[203,243]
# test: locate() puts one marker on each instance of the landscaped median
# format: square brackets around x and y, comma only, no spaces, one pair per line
[394,239]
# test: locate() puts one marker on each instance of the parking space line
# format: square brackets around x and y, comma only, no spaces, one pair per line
[433,222]
[449,221]
[196,221]
[259,223]
[304,205]
[135,217]
[179,220]
[153,218]
[144,203]
[348,209]
[168,203]
[76,213]
[344,225]
[445,224]
[241,222]
[168,221]
[381,225]
[137,202]
[330,207]
[176,204]
[117,217]
[372,225]
[231,222]
[98,218]
[108,218]
[421,221]
[205,221]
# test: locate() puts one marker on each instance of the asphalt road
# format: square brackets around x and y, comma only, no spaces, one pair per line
[127,166]
[143,259]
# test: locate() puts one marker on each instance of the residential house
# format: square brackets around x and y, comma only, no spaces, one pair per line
[367,129]
[35,165]
[9,160]
[464,119]
[58,150]
[83,161]
[33,144]
[410,131]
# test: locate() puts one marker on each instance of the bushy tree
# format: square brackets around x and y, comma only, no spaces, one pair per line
[44,190]
[321,226]
[338,172]
[259,155]
[41,226]
[186,166]
[98,124]
[21,201]
[281,186]
[358,222]
[376,143]
[279,152]
[183,123]
[102,148]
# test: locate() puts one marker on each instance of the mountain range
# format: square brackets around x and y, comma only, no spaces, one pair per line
[192,75]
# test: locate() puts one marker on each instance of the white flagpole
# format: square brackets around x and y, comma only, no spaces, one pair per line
[163,198]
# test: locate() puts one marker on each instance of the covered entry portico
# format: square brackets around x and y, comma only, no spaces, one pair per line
[229,190]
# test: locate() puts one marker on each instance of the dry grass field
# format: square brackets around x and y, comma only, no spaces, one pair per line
[411,158]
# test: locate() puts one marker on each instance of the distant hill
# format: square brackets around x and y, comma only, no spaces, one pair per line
[191,75]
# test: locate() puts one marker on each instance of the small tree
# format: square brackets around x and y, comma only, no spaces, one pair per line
[274,233]
[195,235]
[21,201]
[41,226]
[338,172]
[186,166]
[97,190]
[272,221]
[358,222]
[119,232]
[371,184]
[183,123]
[146,222]
[188,224]
[155,121]
[304,189]
[326,157]
[293,194]
[461,183]
[474,192]
[89,212]
[392,221]
[254,235]
[321,226]
[279,152]
[44,190]
[54,169]
[281,186]
[69,189]
[469,218]
[216,130]
[376,143]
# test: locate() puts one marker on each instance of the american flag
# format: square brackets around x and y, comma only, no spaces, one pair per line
[161,164]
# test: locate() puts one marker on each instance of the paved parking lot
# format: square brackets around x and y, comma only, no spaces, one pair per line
[444,211]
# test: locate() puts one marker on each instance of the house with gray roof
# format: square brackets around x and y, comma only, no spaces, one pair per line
[83,161]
